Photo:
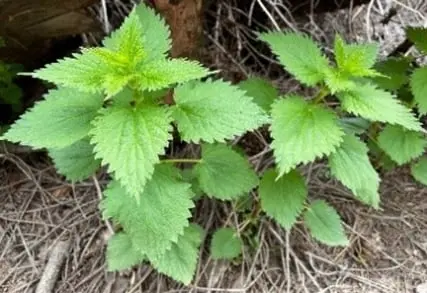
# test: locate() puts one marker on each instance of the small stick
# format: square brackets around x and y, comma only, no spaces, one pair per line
[53,267]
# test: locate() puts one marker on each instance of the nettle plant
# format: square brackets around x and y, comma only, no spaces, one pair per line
[408,82]
[109,110]
[358,99]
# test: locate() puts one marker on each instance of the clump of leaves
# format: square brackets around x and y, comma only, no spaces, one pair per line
[109,110]
[370,108]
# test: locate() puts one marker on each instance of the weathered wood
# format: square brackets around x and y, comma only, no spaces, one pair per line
[27,26]
[29,20]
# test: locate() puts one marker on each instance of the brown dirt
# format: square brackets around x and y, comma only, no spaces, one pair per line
[388,248]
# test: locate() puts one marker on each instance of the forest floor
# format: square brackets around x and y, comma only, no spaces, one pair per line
[388,247]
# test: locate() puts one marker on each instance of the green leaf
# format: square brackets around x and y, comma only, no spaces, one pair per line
[142,29]
[355,59]
[214,111]
[374,104]
[154,221]
[338,81]
[418,36]
[11,94]
[162,73]
[93,70]
[121,254]
[77,161]
[225,244]
[400,144]
[189,176]
[180,261]
[325,224]
[302,132]
[128,39]
[395,71]
[419,170]
[157,41]
[354,125]
[299,54]
[350,164]
[62,118]
[283,200]
[381,159]
[130,141]
[418,84]
[262,92]
[405,95]
[223,173]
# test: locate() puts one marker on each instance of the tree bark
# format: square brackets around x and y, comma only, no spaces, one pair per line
[185,20]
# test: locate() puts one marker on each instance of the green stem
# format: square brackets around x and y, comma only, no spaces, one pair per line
[175,161]
[323,92]
[137,96]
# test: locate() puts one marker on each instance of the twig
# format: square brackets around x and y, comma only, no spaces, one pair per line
[99,192]
[105,17]
[7,147]
[53,266]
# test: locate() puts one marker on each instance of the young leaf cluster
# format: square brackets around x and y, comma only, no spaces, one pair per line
[404,77]
[368,110]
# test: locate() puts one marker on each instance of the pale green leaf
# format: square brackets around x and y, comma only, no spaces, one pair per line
[418,36]
[223,173]
[180,261]
[325,224]
[93,70]
[302,132]
[350,164]
[121,254]
[418,84]
[355,59]
[225,244]
[419,170]
[162,73]
[214,111]
[394,71]
[128,39]
[77,161]
[154,221]
[299,54]
[143,28]
[375,104]
[156,33]
[63,117]
[338,81]
[130,141]
[262,92]
[283,200]
[400,144]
